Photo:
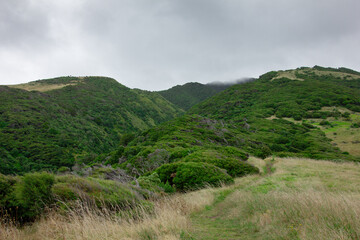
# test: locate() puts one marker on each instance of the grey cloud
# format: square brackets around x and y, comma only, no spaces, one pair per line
[22,25]
[159,44]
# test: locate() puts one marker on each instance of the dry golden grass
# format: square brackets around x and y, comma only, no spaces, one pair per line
[302,199]
[168,220]
[42,87]
[291,74]
[341,75]
[347,139]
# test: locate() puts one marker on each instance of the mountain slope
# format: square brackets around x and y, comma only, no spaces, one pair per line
[313,98]
[74,118]
[187,95]
[262,118]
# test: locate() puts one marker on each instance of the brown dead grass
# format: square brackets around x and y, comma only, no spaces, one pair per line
[303,199]
[168,220]
[290,74]
[43,87]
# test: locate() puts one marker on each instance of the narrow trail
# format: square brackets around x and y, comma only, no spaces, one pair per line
[216,221]
[300,199]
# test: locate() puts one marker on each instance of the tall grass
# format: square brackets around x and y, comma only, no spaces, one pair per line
[302,199]
[297,215]
[168,219]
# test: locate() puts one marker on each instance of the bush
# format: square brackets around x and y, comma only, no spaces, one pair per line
[151,182]
[324,122]
[6,189]
[234,167]
[192,175]
[167,187]
[63,169]
[263,152]
[33,193]
[103,193]
[235,152]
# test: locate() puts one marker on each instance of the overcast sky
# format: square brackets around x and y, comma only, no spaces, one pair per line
[156,44]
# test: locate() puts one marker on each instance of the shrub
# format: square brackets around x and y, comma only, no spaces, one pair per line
[235,152]
[63,169]
[167,187]
[324,122]
[262,152]
[6,189]
[234,167]
[150,182]
[93,190]
[307,125]
[192,175]
[33,193]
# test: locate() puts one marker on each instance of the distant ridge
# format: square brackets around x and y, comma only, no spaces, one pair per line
[187,95]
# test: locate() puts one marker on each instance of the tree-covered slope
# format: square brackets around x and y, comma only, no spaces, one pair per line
[299,93]
[72,118]
[261,118]
[301,97]
[187,95]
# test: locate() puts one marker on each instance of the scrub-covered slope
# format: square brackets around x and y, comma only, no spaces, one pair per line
[71,118]
[187,95]
[283,113]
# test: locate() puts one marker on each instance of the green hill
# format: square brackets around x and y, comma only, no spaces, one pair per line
[285,113]
[187,95]
[51,123]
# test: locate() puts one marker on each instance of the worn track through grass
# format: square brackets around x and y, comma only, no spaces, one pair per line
[303,199]
[297,199]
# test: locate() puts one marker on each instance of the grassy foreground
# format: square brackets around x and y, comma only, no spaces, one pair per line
[291,199]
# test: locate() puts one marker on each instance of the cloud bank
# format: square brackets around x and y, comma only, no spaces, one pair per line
[155,45]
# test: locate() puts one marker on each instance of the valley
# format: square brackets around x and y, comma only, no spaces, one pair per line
[272,158]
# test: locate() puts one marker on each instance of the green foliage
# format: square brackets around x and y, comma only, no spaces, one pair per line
[45,131]
[63,169]
[325,123]
[7,184]
[189,94]
[191,175]
[249,106]
[151,182]
[233,166]
[97,191]
[167,187]
[24,199]
[33,193]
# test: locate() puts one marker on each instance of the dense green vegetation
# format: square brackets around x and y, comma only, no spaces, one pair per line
[190,138]
[25,198]
[249,118]
[112,130]
[187,95]
[47,130]
[260,107]
[191,175]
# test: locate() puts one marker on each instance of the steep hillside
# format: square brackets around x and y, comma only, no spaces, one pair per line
[72,118]
[269,116]
[319,98]
[187,95]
